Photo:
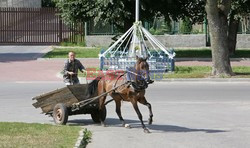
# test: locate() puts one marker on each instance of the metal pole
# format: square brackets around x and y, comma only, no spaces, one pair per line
[86,29]
[137,11]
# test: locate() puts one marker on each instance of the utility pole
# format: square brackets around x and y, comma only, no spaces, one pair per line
[137,11]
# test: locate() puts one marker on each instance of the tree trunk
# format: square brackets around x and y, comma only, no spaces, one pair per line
[232,34]
[218,26]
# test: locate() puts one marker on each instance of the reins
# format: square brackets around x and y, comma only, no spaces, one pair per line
[136,74]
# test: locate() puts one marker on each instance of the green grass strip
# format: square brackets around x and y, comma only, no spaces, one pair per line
[204,72]
[23,135]
[206,53]
[80,52]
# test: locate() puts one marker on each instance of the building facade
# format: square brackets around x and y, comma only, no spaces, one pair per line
[21,3]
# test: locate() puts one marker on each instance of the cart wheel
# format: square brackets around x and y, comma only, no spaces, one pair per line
[60,114]
[96,116]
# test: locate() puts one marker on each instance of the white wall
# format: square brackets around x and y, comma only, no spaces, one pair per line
[194,40]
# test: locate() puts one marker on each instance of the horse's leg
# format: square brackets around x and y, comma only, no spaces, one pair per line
[144,102]
[135,105]
[118,110]
[101,110]
[101,90]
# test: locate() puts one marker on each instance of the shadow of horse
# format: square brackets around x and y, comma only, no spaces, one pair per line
[180,129]
[113,122]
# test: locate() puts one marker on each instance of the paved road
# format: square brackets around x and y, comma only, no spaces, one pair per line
[21,53]
[189,115]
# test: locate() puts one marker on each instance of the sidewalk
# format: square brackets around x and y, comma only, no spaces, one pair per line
[24,63]
[47,70]
[19,63]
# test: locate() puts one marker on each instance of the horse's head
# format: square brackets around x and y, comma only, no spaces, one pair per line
[142,68]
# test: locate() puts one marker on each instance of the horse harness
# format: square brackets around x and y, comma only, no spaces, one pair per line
[137,86]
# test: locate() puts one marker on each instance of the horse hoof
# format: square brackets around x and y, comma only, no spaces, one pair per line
[150,121]
[103,124]
[146,131]
[127,126]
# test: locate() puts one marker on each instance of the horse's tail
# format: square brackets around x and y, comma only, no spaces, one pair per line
[93,86]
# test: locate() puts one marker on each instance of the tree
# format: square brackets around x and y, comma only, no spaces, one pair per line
[48,3]
[121,13]
[239,9]
[223,18]
[217,14]
[186,26]
[77,11]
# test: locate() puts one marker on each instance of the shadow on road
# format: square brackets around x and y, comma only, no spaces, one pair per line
[15,57]
[112,122]
[173,128]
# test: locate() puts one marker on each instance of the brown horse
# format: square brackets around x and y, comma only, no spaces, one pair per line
[132,91]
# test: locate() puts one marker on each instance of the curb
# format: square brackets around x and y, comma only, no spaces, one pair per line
[79,141]
[209,59]
[242,80]
[217,80]
[45,51]
[84,138]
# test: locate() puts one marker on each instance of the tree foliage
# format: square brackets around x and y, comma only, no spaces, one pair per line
[74,11]
[240,8]
[48,3]
[186,26]
[121,13]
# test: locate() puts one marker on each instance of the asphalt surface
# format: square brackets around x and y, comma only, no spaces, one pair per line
[21,53]
[186,114]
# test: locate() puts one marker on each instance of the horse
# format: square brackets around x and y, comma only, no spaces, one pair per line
[132,91]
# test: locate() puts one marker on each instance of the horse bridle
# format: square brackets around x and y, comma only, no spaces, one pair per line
[136,74]
[139,86]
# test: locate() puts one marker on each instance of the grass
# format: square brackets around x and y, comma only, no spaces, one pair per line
[190,72]
[37,135]
[180,53]
[79,41]
[70,44]
[242,72]
[206,53]
[80,52]
[86,139]
[204,72]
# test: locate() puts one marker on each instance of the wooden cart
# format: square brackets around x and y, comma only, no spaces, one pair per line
[70,100]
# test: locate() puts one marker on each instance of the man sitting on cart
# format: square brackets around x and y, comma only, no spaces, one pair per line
[70,70]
